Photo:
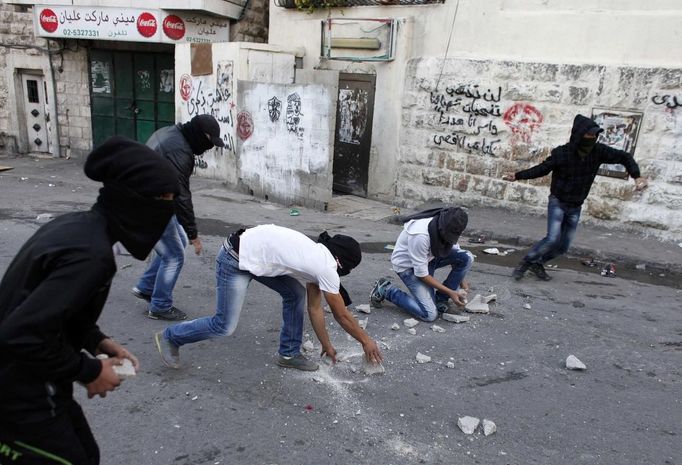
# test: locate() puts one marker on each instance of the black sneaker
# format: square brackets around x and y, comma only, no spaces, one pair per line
[520,270]
[172,314]
[141,295]
[538,270]
[297,361]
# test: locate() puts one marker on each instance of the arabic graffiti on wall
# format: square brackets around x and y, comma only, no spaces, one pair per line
[293,116]
[523,119]
[670,101]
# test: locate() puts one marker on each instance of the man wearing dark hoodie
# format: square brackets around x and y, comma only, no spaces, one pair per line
[52,295]
[574,167]
[178,144]
[278,257]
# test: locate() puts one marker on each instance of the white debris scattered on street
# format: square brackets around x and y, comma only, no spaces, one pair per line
[195,397]
[371,369]
[327,309]
[395,326]
[44,216]
[489,427]
[468,424]
[437,329]
[308,346]
[412,331]
[641,266]
[363,323]
[410,323]
[574,363]
[489,298]
[455,318]
[450,365]
[492,251]
[421,358]
[477,305]
[363,308]
[318,379]
[527,306]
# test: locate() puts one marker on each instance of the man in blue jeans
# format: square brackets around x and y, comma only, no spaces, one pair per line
[178,144]
[574,167]
[278,257]
[424,245]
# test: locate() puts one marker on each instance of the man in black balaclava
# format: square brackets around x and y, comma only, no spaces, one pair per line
[278,258]
[52,295]
[178,144]
[574,167]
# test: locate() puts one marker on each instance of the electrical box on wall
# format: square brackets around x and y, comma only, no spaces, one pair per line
[358,39]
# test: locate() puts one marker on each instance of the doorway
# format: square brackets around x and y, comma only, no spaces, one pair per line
[132,93]
[34,95]
[353,137]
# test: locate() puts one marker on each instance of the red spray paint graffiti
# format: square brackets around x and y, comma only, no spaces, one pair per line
[523,119]
[244,125]
[185,87]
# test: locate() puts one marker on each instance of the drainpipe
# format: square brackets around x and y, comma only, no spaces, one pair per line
[56,102]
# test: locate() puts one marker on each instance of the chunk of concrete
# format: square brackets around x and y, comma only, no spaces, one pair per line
[527,306]
[489,298]
[437,329]
[395,326]
[363,323]
[573,363]
[492,251]
[477,305]
[421,358]
[455,318]
[450,365]
[489,427]
[308,346]
[412,331]
[371,369]
[126,370]
[410,323]
[363,308]
[468,424]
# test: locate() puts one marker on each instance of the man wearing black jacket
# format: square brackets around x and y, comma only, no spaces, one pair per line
[52,295]
[178,144]
[574,167]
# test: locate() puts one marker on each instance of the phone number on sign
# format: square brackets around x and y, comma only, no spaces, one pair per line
[81,33]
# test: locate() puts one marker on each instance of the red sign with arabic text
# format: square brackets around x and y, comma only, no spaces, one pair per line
[146,24]
[48,20]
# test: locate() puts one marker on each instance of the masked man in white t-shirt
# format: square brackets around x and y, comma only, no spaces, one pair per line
[425,244]
[278,258]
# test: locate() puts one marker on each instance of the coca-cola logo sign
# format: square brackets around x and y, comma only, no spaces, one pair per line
[174,27]
[146,24]
[48,20]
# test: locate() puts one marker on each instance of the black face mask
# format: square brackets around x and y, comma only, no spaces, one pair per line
[196,139]
[136,221]
[585,147]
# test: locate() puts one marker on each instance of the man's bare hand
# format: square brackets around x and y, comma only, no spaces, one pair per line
[509,177]
[196,242]
[329,351]
[114,349]
[459,298]
[641,183]
[107,380]
[372,352]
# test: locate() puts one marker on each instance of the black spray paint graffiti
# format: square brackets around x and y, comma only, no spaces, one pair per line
[469,114]
[200,163]
[670,101]
[274,109]
[223,107]
[294,114]
[352,115]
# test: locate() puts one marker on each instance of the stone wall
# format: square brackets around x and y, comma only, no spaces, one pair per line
[253,26]
[466,122]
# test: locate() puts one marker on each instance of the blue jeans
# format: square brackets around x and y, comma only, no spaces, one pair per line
[165,267]
[231,286]
[422,303]
[562,221]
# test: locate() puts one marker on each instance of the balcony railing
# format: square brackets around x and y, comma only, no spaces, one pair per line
[309,5]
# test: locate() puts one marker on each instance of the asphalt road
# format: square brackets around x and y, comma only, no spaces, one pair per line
[231,404]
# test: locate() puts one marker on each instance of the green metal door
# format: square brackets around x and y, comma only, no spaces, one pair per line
[132,93]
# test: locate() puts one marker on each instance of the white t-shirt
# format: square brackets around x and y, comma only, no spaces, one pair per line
[270,250]
[413,248]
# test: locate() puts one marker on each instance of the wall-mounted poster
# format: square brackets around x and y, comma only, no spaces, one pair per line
[621,129]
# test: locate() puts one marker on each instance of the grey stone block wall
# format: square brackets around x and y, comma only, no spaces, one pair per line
[253,27]
[481,118]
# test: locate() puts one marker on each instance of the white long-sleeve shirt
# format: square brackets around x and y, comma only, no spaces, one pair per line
[413,248]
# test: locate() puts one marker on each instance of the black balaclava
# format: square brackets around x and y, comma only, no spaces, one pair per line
[133,175]
[445,229]
[344,248]
[195,136]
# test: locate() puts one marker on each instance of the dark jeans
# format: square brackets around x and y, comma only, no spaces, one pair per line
[562,221]
[64,440]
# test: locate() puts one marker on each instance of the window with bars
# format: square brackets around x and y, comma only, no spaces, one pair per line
[32,91]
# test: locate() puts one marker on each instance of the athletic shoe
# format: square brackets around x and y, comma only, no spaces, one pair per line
[170,353]
[172,314]
[297,361]
[376,296]
[538,270]
[141,295]
[520,270]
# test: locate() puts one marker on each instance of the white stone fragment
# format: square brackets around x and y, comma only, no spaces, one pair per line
[455,318]
[477,305]
[450,365]
[308,346]
[412,331]
[492,251]
[489,298]
[125,370]
[363,308]
[410,323]
[363,323]
[395,326]
[327,309]
[44,216]
[421,358]
[371,369]
[527,306]
[489,427]
[573,363]
[318,379]
[437,329]
[468,424]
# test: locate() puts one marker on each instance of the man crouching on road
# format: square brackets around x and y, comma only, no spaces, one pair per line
[277,257]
